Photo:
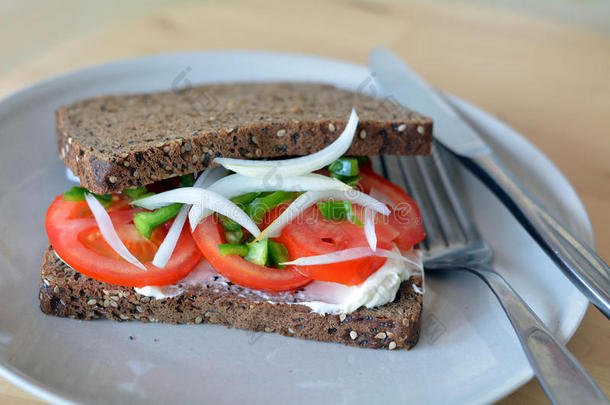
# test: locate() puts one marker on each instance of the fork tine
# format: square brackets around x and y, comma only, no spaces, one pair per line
[377,165]
[440,156]
[391,169]
[412,177]
[440,201]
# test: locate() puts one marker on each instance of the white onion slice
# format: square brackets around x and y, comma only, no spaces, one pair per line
[378,195]
[108,232]
[236,184]
[308,199]
[296,166]
[71,176]
[369,228]
[206,198]
[348,254]
[210,176]
[166,249]
[164,253]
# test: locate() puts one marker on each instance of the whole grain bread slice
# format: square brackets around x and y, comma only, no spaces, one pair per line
[65,292]
[116,142]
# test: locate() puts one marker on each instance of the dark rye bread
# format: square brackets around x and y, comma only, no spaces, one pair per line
[66,293]
[116,142]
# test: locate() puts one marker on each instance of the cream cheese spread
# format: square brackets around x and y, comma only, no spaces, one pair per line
[320,296]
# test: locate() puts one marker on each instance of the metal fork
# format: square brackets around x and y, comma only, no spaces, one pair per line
[453,243]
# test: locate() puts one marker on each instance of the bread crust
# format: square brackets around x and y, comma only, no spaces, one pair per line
[123,141]
[66,293]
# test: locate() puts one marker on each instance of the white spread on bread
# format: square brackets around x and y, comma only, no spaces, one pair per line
[201,274]
[320,296]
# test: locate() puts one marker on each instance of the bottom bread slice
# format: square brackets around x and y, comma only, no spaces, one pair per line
[67,293]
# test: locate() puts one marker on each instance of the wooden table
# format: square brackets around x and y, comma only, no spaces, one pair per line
[548,79]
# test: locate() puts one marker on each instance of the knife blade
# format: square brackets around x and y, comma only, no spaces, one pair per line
[579,262]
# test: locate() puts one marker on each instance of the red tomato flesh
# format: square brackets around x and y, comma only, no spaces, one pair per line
[209,234]
[310,235]
[405,217]
[76,238]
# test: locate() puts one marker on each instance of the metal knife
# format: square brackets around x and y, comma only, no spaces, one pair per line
[578,261]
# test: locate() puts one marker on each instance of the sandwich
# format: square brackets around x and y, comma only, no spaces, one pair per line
[250,205]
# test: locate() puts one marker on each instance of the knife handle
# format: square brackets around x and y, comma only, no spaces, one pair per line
[579,262]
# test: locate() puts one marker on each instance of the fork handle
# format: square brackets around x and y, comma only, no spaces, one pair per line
[562,377]
[580,263]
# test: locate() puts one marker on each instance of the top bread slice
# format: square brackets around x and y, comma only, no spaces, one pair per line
[124,141]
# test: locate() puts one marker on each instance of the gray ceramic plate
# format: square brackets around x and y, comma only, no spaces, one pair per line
[467,353]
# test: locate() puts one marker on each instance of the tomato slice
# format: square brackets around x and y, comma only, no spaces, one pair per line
[310,234]
[383,229]
[209,234]
[76,238]
[405,217]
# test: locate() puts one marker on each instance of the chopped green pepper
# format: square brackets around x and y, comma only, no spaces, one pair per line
[349,180]
[245,199]
[234,237]
[242,201]
[135,193]
[361,159]
[188,180]
[228,224]
[277,254]
[338,211]
[78,194]
[260,205]
[75,194]
[344,166]
[233,249]
[257,252]
[265,252]
[146,222]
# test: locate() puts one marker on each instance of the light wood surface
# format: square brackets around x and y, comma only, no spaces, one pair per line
[548,79]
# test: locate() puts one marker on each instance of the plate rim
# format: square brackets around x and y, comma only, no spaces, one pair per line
[520,377]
